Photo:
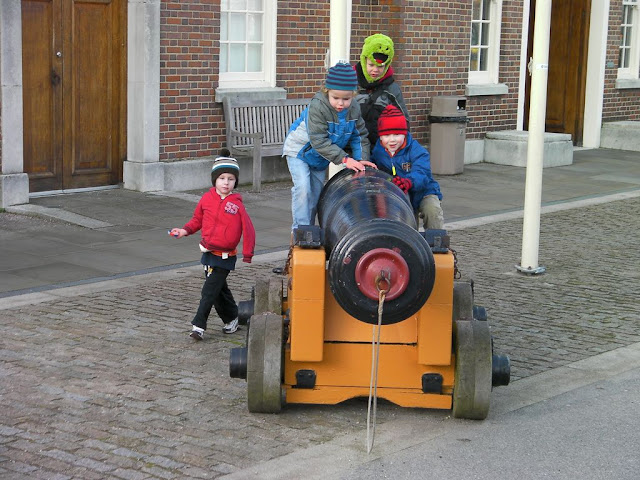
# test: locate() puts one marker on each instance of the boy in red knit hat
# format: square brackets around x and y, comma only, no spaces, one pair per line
[397,153]
[222,219]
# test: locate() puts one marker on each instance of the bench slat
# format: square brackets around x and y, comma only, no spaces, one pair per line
[271,118]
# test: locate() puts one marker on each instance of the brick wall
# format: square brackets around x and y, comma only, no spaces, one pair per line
[191,123]
[431,59]
[499,112]
[431,40]
[302,44]
[430,49]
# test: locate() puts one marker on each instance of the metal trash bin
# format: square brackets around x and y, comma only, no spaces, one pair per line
[448,134]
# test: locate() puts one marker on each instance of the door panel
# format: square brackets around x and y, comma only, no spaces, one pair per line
[89,88]
[568,57]
[85,127]
[557,99]
[568,49]
[42,93]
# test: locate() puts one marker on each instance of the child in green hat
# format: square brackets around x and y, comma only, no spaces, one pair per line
[377,87]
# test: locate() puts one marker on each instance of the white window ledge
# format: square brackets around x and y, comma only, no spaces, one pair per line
[622,83]
[486,89]
[251,93]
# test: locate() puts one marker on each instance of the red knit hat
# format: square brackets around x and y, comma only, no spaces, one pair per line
[392,121]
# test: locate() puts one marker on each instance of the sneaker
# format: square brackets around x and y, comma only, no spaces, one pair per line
[230,327]
[197,333]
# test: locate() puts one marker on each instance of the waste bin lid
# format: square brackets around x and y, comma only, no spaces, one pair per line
[449,106]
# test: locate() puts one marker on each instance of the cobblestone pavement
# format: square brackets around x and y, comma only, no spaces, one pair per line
[103,382]
[585,302]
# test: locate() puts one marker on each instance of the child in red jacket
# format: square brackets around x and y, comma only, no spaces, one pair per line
[222,219]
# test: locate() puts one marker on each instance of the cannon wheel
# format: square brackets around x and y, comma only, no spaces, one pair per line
[462,300]
[473,374]
[267,296]
[264,363]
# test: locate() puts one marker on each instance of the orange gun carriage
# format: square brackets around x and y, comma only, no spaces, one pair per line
[311,332]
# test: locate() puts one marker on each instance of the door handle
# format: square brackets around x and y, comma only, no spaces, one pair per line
[55,78]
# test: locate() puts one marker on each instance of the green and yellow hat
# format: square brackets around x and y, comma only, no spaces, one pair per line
[377,48]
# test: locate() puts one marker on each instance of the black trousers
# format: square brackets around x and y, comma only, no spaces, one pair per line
[216,294]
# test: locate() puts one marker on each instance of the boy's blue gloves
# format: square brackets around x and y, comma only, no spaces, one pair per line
[404,183]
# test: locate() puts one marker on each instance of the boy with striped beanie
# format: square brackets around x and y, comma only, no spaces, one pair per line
[222,219]
[225,164]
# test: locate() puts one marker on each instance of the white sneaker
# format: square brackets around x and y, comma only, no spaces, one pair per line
[230,327]
[197,333]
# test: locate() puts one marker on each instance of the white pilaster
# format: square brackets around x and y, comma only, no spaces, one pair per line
[142,170]
[14,184]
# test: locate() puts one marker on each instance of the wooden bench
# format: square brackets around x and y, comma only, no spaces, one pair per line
[258,128]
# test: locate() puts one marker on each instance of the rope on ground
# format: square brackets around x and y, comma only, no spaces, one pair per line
[373,383]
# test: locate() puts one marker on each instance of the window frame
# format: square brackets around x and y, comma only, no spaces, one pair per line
[491,75]
[631,72]
[267,77]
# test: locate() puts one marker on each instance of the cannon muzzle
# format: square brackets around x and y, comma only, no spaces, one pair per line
[373,245]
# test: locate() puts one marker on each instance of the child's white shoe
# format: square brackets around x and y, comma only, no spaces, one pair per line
[230,327]
[197,333]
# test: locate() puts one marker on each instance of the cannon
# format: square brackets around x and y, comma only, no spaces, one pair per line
[366,266]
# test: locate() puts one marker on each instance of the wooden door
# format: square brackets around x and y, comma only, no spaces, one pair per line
[73,92]
[568,49]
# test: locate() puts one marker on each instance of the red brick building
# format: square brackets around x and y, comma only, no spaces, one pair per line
[130,90]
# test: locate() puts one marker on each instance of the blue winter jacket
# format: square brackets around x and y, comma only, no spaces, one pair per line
[413,162]
[320,135]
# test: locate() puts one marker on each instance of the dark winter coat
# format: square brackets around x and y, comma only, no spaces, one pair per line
[373,97]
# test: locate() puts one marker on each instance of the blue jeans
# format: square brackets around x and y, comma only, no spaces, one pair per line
[305,193]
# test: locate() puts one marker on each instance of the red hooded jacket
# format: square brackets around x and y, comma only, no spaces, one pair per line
[223,221]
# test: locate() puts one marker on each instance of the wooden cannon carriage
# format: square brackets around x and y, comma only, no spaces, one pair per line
[310,330]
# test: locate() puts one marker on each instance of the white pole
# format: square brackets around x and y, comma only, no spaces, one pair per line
[535,146]
[339,40]
[339,31]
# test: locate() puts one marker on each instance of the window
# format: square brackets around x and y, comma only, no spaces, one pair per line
[247,43]
[629,57]
[484,52]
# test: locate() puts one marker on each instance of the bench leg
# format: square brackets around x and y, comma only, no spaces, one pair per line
[257,166]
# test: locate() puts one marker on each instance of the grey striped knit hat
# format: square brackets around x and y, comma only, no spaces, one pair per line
[224,164]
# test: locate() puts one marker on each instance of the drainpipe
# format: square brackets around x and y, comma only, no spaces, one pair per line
[535,145]
[339,41]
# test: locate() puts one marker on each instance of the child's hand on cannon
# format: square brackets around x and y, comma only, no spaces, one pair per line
[357,166]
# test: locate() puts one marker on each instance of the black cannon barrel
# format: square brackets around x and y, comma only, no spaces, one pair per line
[371,238]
